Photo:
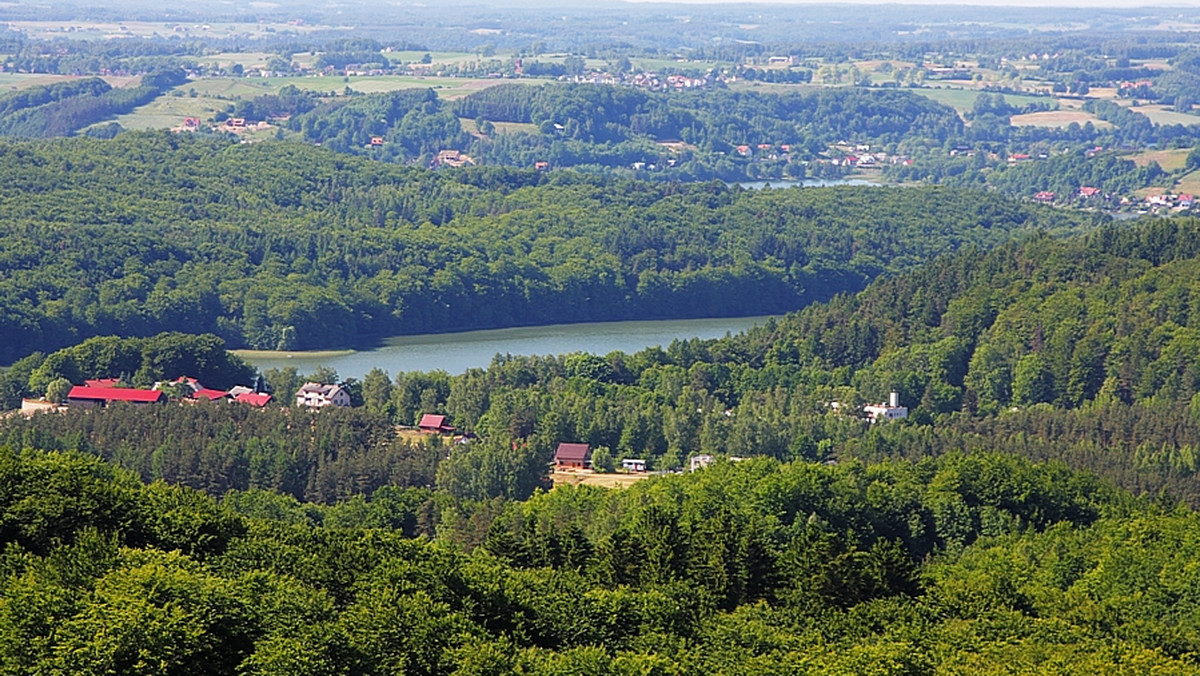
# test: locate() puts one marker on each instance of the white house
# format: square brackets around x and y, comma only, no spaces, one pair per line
[317,395]
[633,465]
[892,410]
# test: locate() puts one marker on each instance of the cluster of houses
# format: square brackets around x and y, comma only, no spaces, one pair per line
[1153,203]
[647,80]
[575,456]
[100,392]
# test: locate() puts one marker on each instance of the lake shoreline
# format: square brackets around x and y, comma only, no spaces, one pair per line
[460,351]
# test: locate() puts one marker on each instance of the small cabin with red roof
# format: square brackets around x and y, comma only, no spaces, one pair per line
[211,395]
[573,455]
[434,424]
[87,396]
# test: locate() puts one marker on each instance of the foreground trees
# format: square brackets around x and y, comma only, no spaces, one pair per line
[977,564]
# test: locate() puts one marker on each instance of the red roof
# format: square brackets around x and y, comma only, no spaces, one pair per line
[102,382]
[431,420]
[578,452]
[211,395]
[86,393]
[258,399]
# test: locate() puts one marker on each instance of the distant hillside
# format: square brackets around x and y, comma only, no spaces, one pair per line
[288,246]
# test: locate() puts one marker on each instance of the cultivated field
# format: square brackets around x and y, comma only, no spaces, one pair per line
[1163,115]
[1057,118]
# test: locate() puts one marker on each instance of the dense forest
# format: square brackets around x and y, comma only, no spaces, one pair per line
[292,247]
[980,564]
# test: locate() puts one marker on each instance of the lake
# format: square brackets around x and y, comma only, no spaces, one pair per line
[457,352]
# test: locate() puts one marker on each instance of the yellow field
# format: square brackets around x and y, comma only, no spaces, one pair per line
[1171,160]
[590,478]
[1057,118]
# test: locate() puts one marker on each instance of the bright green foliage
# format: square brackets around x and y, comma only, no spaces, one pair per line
[749,568]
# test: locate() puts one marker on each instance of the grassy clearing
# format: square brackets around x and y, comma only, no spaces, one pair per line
[1057,118]
[501,127]
[964,99]
[1162,115]
[1171,160]
[1190,183]
[168,111]
[589,478]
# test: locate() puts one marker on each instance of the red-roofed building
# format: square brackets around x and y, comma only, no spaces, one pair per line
[1089,192]
[573,455]
[103,382]
[434,424]
[258,399]
[86,396]
[211,395]
[1044,196]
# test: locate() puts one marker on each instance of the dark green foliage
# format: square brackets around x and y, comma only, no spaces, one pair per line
[218,447]
[290,247]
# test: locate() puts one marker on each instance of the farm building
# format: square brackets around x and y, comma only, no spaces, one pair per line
[573,455]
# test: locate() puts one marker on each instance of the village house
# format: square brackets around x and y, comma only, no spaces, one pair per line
[892,410]
[318,395]
[633,465]
[573,455]
[434,424]
[700,461]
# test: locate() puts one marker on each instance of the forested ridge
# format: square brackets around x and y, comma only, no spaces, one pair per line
[292,247]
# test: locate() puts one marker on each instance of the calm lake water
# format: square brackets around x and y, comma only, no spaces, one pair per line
[457,352]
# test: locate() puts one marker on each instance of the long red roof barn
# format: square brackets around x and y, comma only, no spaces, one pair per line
[83,393]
